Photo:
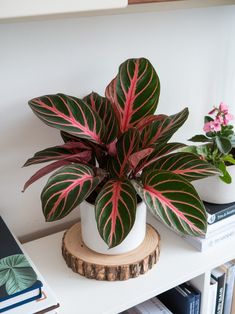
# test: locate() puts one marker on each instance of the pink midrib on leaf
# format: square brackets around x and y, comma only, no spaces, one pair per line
[116,188]
[114,214]
[128,106]
[135,158]
[111,95]
[64,194]
[148,120]
[192,170]
[127,154]
[45,170]
[166,202]
[70,119]
[83,156]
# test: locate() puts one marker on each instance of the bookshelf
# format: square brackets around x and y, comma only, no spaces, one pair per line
[11,10]
[179,262]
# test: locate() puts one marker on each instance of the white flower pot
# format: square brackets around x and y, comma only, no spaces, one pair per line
[214,190]
[93,240]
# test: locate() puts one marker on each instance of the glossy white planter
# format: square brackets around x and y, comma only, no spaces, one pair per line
[93,240]
[213,190]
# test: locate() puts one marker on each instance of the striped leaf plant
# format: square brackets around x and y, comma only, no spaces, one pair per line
[115,147]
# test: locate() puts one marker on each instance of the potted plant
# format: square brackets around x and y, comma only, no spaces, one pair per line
[218,149]
[116,147]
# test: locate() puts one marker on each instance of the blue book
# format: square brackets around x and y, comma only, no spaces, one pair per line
[18,281]
[178,300]
[218,212]
[197,296]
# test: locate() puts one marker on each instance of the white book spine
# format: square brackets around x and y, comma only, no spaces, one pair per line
[229,288]
[205,243]
[212,296]
[221,225]
[152,306]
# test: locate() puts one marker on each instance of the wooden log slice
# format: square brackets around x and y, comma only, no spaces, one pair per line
[98,266]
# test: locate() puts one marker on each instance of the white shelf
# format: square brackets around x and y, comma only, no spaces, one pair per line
[23,10]
[178,263]
[11,9]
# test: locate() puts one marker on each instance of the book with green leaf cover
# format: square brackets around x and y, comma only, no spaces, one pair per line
[19,283]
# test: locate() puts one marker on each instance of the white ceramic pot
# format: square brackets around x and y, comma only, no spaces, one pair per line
[93,240]
[214,190]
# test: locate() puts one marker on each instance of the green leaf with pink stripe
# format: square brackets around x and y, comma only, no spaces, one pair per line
[104,109]
[66,189]
[174,201]
[126,145]
[115,211]
[134,93]
[188,165]
[160,131]
[73,151]
[158,151]
[69,114]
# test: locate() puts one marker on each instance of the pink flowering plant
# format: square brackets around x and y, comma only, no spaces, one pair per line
[219,140]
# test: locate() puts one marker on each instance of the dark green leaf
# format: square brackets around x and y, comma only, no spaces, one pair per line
[225,175]
[173,200]
[126,145]
[69,114]
[134,93]
[66,189]
[188,165]
[103,107]
[200,138]
[208,119]
[115,211]
[224,145]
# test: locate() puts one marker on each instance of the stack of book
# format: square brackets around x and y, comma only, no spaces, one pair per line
[221,226]
[22,288]
[222,292]
[151,306]
[183,299]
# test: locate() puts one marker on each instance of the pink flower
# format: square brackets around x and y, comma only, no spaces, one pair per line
[223,108]
[212,126]
[220,119]
[216,125]
[227,118]
[207,127]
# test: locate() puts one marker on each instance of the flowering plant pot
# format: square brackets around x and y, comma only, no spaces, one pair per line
[218,146]
[213,190]
[218,149]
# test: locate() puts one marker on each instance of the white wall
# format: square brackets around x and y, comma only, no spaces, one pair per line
[193,51]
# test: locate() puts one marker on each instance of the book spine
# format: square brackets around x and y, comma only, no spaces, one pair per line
[206,243]
[197,304]
[220,293]
[212,296]
[221,225]
[233,302]
[192,306]
[191,297]
[229,289]
[224,213]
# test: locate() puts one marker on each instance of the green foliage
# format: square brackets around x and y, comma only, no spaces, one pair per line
[218,141]
[111,143]
[16,273]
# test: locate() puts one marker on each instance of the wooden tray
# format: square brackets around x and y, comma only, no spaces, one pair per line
[98,266]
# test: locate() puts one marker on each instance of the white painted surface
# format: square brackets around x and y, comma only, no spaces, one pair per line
[26,8]
[178,263]
[214,190]
[93,240]
[193,51]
